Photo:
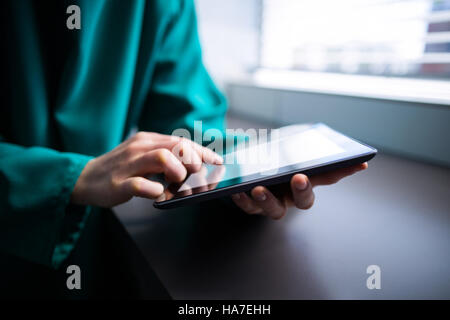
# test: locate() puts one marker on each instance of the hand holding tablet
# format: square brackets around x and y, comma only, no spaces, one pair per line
[308,149]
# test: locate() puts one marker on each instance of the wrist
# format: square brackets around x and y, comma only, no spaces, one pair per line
[80,192]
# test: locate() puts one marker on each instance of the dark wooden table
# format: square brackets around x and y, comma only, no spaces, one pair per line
[395,215]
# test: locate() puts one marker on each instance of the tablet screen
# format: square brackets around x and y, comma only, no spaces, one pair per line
[294,148]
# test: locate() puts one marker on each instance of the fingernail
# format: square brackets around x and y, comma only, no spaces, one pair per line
[162,197]
[260,196]
[301,185]
[235,196]
[218,160]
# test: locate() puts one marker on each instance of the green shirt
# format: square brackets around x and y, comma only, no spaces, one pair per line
[70,95]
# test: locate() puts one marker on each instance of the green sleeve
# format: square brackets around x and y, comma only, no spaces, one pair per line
[36,221]
[181,90]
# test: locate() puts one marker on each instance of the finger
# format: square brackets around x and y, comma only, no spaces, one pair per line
[141,187]
[153,136]
[186,153]
[246,203]
[160,161]
[273,207]
[207,155]
[182,147]
[302,193]
[336,175]
[145,141]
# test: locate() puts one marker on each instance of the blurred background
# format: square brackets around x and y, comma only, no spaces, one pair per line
[375,69]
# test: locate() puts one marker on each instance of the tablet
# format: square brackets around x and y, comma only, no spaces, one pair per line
[308,149]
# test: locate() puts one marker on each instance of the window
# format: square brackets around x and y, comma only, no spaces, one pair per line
[376,37]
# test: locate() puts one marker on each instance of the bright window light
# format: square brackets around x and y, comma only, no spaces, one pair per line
[376,37]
